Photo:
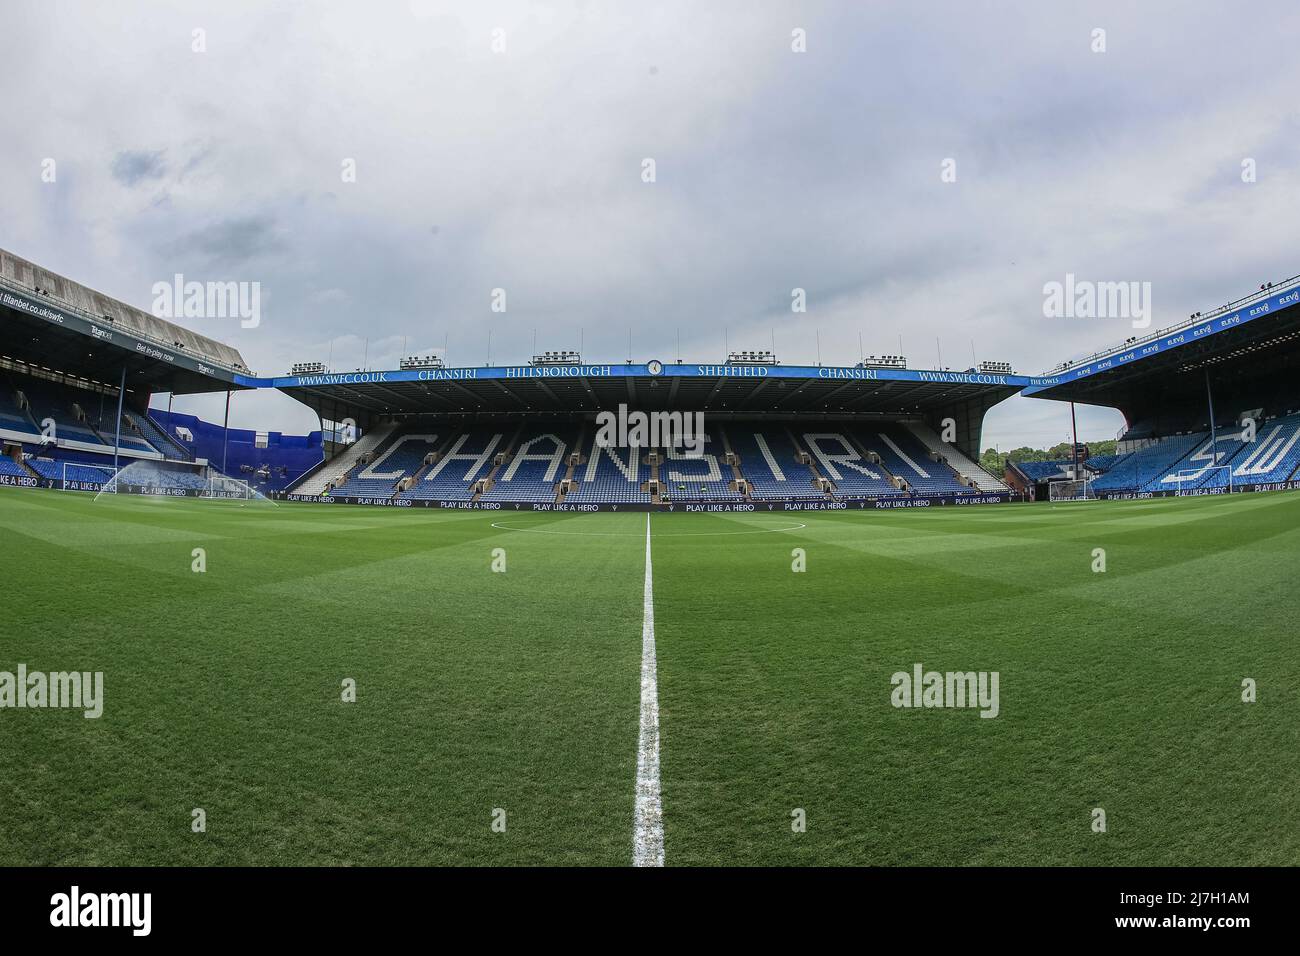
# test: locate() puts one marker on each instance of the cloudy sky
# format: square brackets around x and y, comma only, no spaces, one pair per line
[502,145]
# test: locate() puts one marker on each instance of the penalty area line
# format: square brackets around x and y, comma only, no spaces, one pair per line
[648,832]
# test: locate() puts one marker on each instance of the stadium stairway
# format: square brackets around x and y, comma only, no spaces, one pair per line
[382,472]
[734,459]
[908,458]
[423,470]
[135,433]
[500,462]
[448,478]
[651,485]
[15,410]
[532,473]
[849,468]
[183,453]
[875,461]
[699,476]
[319,479]
[770,464]
[575,459]
[809,461]
[611,475]
[145,426]
[973,475]
[15,465]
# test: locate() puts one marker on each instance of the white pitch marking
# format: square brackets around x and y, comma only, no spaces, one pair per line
[648,834]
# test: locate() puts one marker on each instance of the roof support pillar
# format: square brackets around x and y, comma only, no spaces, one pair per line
[225,434]
[117,431]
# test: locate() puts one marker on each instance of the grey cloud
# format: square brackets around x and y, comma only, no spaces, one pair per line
[818,170]
[132,167]
[230,242]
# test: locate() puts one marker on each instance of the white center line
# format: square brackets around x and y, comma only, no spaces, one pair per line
[648,835]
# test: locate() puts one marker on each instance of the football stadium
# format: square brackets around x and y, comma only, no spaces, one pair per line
[490,465]
[644,613]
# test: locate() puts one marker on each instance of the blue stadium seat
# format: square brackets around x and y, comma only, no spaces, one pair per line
[905,457]
[536,467]
[1147,464]
[400,456]
[700,477]
[1043,470]
[838,458]
[611,475]
[468,459]
[767,460]
[1273,456]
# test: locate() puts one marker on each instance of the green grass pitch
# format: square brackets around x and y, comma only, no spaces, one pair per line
[479,690]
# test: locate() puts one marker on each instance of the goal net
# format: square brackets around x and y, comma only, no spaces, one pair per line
[223,486]
[177,480]
[1071,489]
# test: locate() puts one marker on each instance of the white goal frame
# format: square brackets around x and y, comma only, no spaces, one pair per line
[1054,486]
[224,487]
[103,485]
[1200,472]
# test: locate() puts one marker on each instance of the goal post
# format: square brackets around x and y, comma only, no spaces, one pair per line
[1071,489]
[163,480]
[223,486]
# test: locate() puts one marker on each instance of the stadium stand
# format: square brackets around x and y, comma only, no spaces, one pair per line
[46,400]
[850,471]
[906,457]
[10,467]
[700,477]
[267,460]
[1102,463]
[1147,464]
[155,436]
[71,471]
[1273,456]
[974,475]
[537,459]
[1203,463]
[535,467]
[335,469]
[452,476]
[769,464]
[74,412]
[13,417]
[1043,470]
[397,458]
[611,476]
